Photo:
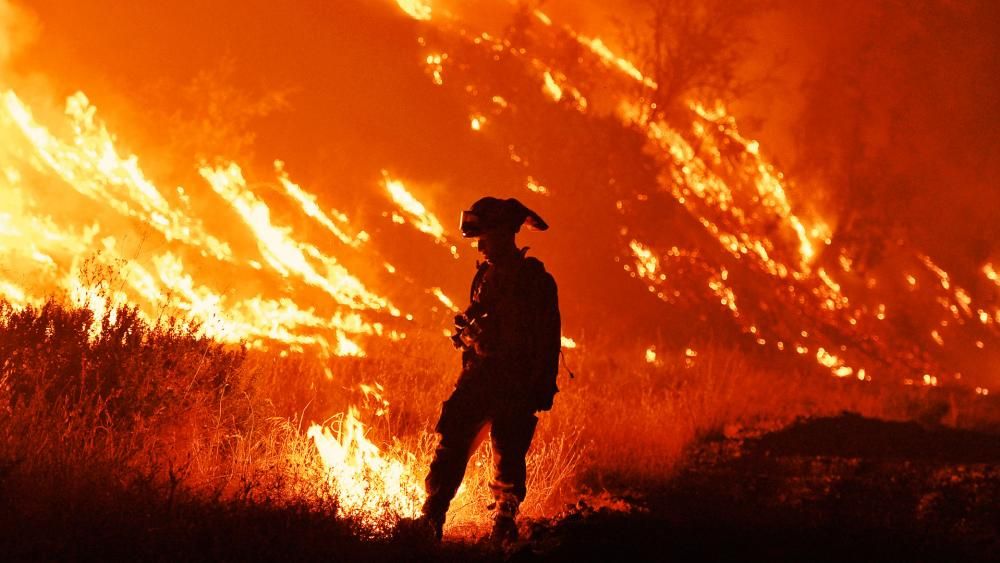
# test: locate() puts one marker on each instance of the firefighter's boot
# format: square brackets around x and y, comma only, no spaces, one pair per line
[423,529]
[504,522]
[434,524]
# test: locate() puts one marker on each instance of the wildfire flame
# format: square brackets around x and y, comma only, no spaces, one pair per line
[90,164]
[740,202]
[708,169]
[416,9]
[445,300]
[597,45]
[423,220]
[376,486]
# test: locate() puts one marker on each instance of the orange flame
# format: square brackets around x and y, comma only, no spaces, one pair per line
[53,256]
[444,299]
[601,50]
[416,9]
[374,485]
[91,165]
[421,219]
[283,253]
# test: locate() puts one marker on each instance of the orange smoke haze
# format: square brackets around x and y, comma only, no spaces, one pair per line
[293,173]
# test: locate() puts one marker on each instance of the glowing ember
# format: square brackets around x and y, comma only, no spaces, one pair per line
[551,87]
[651,355]
[435,66]
[535,187]
[835,364]
[991,274]
[768,181]
[346,347]
[646,263]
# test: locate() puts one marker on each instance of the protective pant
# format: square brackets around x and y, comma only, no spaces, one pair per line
[464,418]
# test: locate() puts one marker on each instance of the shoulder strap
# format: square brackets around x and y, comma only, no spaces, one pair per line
[481,268]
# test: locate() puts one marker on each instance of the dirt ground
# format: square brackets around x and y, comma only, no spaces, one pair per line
[842,488]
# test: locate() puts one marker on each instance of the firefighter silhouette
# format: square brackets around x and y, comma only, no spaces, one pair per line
[510,341]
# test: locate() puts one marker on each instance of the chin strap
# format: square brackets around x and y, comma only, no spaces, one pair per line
[562,357]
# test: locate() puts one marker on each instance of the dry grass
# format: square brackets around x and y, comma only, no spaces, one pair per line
[640,418]
[98,428]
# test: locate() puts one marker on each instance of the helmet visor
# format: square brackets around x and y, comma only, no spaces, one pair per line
[470,224]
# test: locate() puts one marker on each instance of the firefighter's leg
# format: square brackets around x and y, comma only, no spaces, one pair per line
[461,428]
[511,436]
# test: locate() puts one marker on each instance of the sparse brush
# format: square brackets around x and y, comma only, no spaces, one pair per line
[122,413]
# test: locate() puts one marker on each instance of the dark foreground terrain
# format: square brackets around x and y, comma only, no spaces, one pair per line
[844,488]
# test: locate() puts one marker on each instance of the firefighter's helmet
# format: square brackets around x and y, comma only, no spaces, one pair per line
[490,213]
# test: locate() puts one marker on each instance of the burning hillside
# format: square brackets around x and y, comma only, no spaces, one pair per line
[691,210]
[310,213]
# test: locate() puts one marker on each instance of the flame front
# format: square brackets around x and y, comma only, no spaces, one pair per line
[374,485]
[90,264]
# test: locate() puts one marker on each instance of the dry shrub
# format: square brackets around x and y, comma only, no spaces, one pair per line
[159,415]
[161,409]
[640,418]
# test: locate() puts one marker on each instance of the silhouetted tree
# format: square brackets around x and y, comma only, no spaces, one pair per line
[693,47]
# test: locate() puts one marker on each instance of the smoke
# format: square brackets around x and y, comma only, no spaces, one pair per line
[882,112]
[889,109]
[874,105]
[17,30]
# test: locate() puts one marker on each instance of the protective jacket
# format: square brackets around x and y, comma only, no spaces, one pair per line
[516,356]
